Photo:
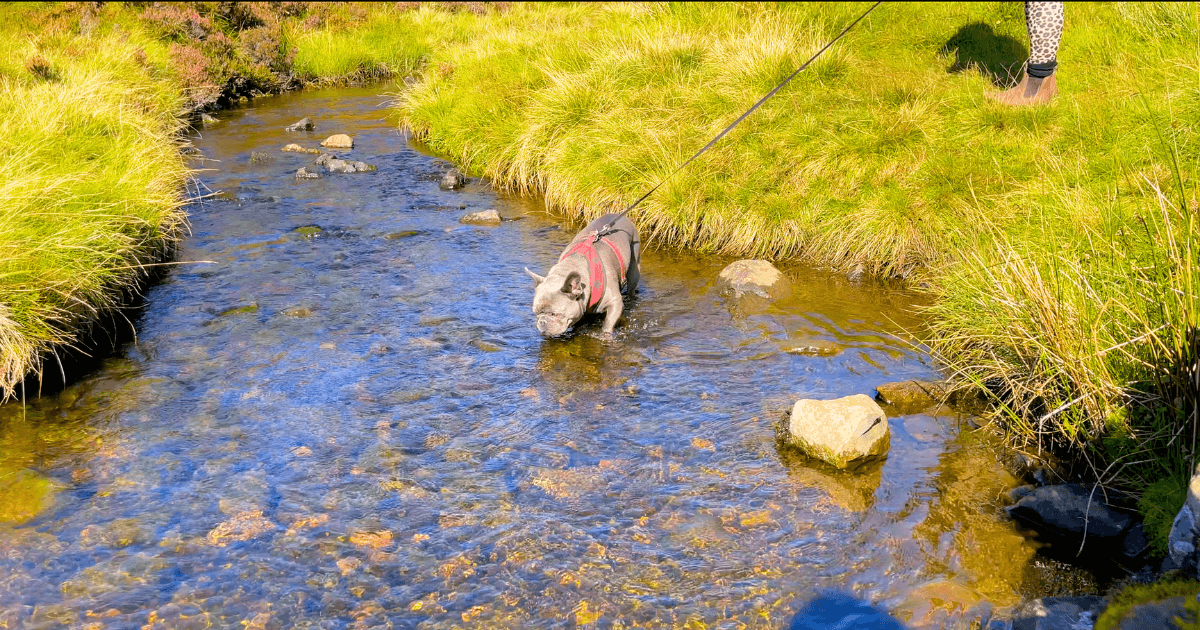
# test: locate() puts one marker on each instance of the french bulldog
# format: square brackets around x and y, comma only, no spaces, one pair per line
[589,277]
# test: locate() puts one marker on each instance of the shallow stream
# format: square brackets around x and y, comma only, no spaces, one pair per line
[348,420]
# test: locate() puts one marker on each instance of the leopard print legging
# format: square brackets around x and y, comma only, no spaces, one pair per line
[1045,23]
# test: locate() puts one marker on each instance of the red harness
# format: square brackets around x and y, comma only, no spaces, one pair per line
[584,247]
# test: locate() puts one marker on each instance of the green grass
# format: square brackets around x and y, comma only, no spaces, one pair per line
[81,213]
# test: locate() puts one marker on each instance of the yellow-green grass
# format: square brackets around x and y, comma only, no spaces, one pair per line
[373,41]
[91,180]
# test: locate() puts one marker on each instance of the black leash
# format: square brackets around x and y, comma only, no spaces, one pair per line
[608,229]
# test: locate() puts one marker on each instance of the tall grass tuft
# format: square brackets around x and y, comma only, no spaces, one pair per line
[91,185]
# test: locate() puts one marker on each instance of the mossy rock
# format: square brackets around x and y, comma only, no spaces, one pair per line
[1166,599]
[238,310]
[24,494]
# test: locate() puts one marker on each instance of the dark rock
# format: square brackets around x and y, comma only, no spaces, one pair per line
[1060,514]
[304,124]
[1059,613]
[304,173]
[1042,476]
[261,158]
[910,396]
[453,180]
[1135,543]
[841,611]
[189,150]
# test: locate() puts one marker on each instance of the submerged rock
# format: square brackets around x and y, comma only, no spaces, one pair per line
[338,141]
[304,173]
[304,124]
[295,148]
[25,494]
[261,158]
[842,432]
[753,278]
[1061,514]
[391,236]
[485,217]
[1058,613]
[844,612]
[910,396]
[208,120]
[453,180]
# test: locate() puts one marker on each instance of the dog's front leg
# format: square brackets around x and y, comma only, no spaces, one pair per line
[611,315]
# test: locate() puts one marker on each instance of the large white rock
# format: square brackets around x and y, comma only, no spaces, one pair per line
[338,141]
[1185,529]
[843,432]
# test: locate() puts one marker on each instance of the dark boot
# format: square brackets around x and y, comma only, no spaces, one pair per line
[1030,91]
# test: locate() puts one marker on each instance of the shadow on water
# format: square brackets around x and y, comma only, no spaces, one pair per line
[998,57]
[349,420]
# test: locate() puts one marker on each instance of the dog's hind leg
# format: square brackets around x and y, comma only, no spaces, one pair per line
[634,273]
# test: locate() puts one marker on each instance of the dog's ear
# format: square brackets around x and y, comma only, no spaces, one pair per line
[536,278]
[573,286]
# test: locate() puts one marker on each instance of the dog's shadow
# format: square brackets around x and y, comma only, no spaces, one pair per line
[998,57]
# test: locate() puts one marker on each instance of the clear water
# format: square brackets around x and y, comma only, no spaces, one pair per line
[356,425]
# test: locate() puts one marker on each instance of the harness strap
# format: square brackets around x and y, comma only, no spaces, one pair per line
[584,247]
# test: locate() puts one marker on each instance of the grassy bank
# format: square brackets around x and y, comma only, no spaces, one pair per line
[91,180]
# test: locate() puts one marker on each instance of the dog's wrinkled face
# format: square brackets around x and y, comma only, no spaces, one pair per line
[558,301]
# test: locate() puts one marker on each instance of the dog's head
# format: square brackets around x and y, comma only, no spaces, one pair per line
[559,300]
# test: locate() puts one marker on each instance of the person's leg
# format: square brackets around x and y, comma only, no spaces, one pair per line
[1045,23]
[1044,20]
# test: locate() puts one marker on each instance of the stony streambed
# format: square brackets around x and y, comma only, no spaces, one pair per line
[349,421]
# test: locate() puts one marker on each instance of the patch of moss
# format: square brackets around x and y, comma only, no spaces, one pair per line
[308,231]
[1159,505]
[237,310]
[1144,593]
[24,494]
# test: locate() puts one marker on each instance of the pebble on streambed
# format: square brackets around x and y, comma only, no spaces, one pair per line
[484,217]
[844,432]
[295,148]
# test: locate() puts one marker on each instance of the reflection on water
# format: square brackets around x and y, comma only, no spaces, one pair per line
[355,424]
